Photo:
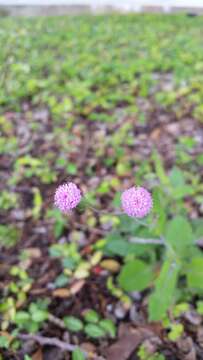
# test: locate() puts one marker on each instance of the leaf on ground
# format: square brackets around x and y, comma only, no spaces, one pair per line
[38,355]
[61,293]
[128,343]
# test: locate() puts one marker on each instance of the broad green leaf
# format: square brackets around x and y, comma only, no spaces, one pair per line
[195,273]
[39,315]
[78,355]
[109,327]
[73,324]
[94,331]
[199,306]
[71,169]
[179,235]
[117,247]
[135,276]
[181,191]
[61,280]
[198,228]
[175,332]
[4,342]
[91,316]
[22,317]
[162,297]
[176,177]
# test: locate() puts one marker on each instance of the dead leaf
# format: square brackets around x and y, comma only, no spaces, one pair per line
[200,336]
[186,348]
[38,355]
[89,348]
[128,343]
[34,252]
[155,134]
[76,287]
[61,293]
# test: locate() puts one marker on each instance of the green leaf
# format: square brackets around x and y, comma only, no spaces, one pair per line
[175,332]
[135,276]
[195,273]
[94,331]
[179,235]
[199,306]
[61,280]
[176,177]
[163,295]
[73,324]
[4,342]
[71,169]
[91,316]
[39,315]
[117,247]
[109,327]
[22,317]
[78,355]
[181,191]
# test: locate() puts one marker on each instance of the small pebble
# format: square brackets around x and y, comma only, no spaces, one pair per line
[119,311]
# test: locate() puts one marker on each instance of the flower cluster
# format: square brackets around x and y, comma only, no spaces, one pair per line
[67,197]
[136,201]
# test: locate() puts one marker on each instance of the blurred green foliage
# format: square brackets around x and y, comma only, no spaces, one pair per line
[79,65]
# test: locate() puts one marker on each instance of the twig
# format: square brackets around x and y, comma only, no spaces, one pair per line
[42,340]
[136,240]
[114,213]
[56,321]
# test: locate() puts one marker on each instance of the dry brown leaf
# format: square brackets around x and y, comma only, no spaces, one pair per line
[34,252]
[61,293]
[155,134]
[89,348]
[37,355]
[128,343]
[187,348]
[76,287]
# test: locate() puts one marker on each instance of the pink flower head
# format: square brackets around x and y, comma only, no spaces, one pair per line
[136,202]
[67,197]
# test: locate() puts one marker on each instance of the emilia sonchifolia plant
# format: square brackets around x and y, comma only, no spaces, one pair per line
[178,275]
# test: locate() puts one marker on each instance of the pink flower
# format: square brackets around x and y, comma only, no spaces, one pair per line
[67,197]
[136,202]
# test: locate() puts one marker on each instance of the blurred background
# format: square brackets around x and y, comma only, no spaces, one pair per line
[102,5]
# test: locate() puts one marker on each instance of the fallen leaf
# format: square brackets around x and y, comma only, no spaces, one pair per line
[186,348]
[76,287]
[33,252]
[128,343]
[38,355]
[61,293]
